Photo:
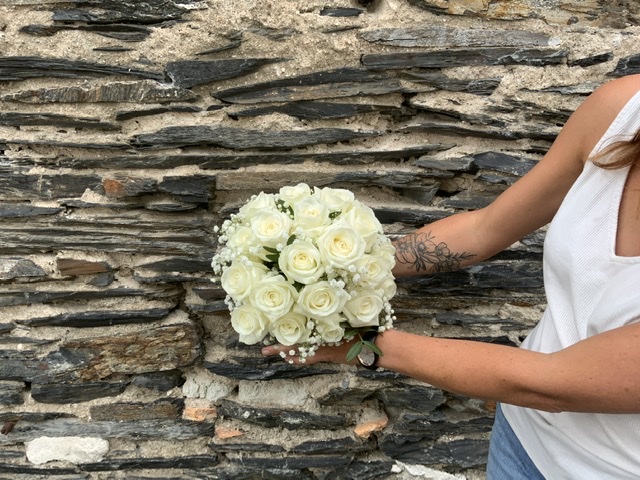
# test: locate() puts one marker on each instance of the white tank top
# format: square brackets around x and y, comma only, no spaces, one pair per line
[589,290]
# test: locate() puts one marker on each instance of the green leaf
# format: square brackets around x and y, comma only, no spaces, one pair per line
[291,239]
[373,347]
[273,258]
[334,215]
[349,331]
[271,249]
[354,351]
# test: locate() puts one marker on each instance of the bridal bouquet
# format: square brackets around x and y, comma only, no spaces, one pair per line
[306,267]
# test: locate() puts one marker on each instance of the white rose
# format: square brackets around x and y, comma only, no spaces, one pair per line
[374,269]
[258,203]
[294,194]
[321,299]
[336,199]
[290,328]
[240,239]
[386,248]
[363,310]
[300,262]
[389,288]
[239,278]
[310,213]
[340,246]
[273,296]
[271,227]
[250,323]
[329,328]
[362,219]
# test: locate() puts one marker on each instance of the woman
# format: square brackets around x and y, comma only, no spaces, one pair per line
[581,364]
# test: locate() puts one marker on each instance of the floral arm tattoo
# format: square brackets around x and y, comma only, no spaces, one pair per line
[421,253]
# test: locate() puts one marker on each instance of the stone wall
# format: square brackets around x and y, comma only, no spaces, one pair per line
[129,129]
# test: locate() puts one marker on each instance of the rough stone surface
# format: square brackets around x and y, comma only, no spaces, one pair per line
[70,449]
[128,130]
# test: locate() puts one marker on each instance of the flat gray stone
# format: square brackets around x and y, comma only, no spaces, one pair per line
[538,57]
[11,268]
[114,92]
[11,392]
[115,11]
[343,82]
[190,73]
[22,68]
[16,119]
[235,160]
[447,37]
[126,33]
[244,139]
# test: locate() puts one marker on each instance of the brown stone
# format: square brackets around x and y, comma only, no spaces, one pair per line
[364,430]
[200,414]
[224,433]
[151,350]
[161,409]
[127,187]
[70,266]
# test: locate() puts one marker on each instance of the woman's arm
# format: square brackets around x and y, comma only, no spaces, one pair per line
[467,238]
[600,374]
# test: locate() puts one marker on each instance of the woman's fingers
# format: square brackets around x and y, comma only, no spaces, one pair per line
[289,354]
[271,350]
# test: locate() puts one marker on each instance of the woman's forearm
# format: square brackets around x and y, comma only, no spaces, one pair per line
[585,377]
[450,244]
[442,246]
[476,369]
[598,375]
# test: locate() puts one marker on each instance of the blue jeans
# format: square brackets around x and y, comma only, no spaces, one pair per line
[507,458]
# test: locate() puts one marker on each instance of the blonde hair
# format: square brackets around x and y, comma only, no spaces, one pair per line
[620,154]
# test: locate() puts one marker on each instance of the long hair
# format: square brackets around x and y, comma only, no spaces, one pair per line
[620,154]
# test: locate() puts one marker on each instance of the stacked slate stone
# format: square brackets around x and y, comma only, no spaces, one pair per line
[128,130]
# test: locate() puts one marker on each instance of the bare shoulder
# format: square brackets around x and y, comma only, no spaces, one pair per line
[614,95]
[594,116]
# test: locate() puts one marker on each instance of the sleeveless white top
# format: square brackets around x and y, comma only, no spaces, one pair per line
[589,290]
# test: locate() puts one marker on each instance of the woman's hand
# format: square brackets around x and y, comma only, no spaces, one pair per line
[291,355]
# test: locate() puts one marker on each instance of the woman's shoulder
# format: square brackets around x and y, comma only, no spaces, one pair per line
[596,114]
[611,97]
